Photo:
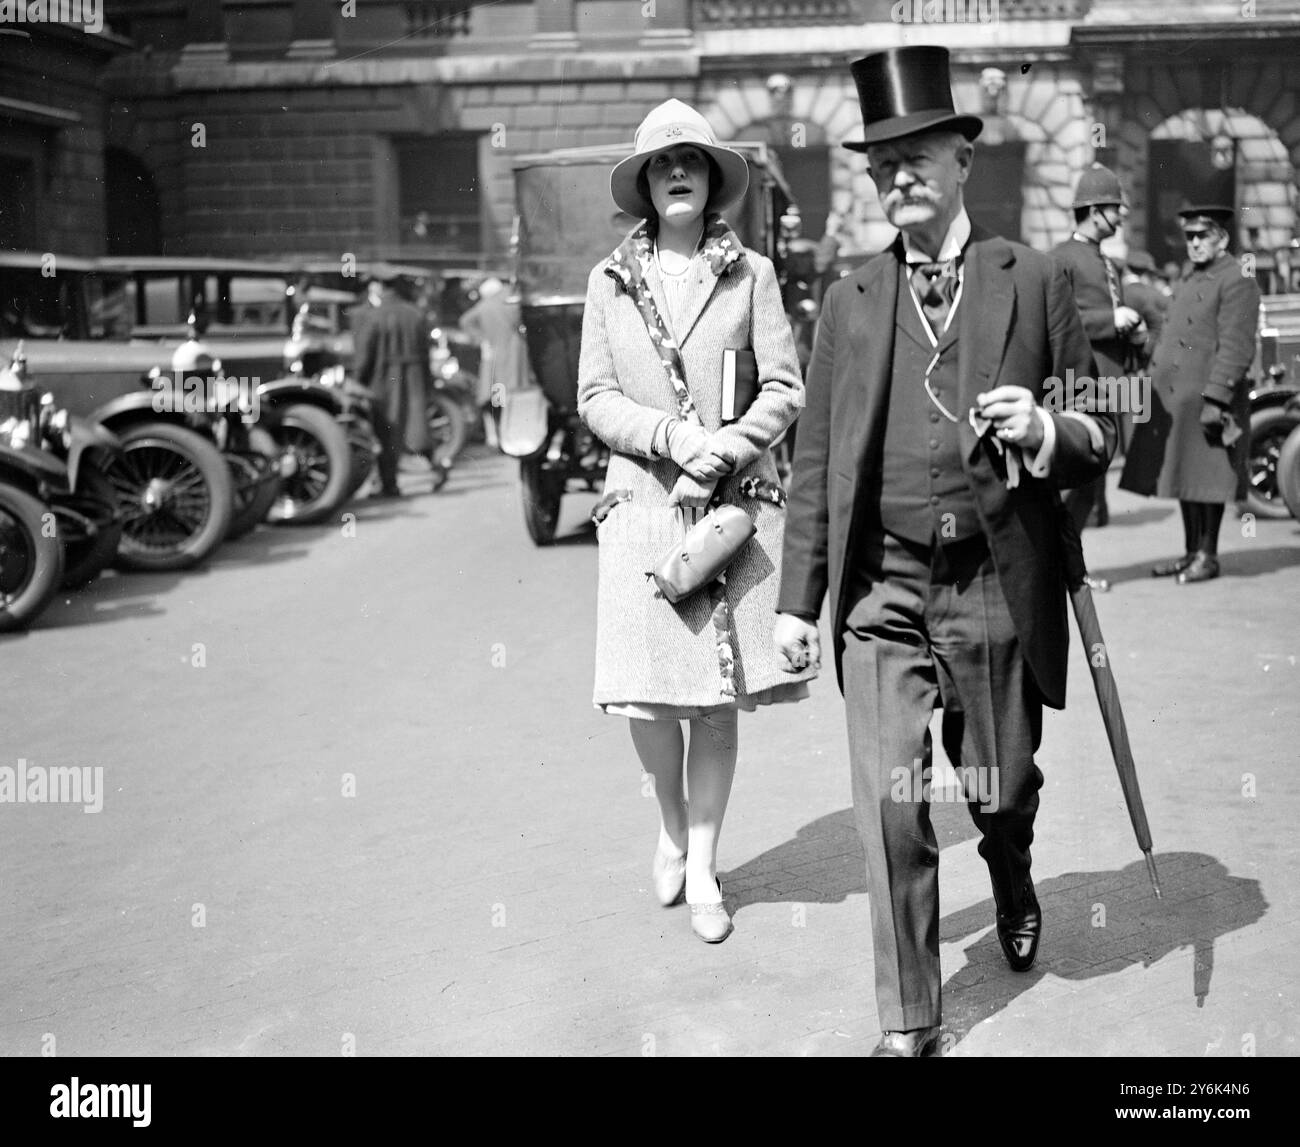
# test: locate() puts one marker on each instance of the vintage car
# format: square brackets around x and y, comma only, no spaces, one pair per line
[244,313]
[172,484]
[564,225]
[1274,402]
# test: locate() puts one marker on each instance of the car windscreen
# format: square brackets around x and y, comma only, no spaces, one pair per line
[568,224]
[150,303]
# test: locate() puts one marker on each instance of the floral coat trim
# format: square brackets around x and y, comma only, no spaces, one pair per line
[629,266]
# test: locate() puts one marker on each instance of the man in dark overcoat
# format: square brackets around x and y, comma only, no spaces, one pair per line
[1195,447]
[1144,292]
[1111,325]
[391,342]
[924,501]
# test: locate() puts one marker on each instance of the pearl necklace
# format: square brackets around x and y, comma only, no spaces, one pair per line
[699,246]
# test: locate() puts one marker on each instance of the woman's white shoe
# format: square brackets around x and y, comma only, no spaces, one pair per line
[669,877]
[711,922]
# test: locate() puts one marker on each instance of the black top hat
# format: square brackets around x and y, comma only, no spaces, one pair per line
[904,91]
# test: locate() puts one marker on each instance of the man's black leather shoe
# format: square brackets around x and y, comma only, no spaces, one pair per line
[1170,568]
[920,1043]
[1018,934]
[1203,567]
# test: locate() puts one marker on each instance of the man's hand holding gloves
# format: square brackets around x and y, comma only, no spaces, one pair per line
[1218,424]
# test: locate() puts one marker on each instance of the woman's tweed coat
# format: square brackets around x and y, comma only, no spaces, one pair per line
[648,650]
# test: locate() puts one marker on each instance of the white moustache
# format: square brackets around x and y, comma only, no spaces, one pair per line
[898,199]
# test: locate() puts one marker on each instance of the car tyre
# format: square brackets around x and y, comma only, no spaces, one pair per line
[1269,429]
[319,484]
[197,494]
[31,559]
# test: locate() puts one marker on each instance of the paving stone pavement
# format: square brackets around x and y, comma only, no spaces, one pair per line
[486,889]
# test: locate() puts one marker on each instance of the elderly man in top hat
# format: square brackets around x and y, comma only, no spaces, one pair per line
[1194,448]
[1112,326]
[924,501]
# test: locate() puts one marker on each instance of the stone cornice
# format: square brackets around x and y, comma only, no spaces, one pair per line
[1215,36]
[461,69]
[996,39]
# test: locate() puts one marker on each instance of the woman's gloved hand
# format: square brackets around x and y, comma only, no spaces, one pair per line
[691,447]
[691,492]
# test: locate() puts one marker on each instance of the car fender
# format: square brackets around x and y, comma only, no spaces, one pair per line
[128,409]
[1265,398]
[289,391]
[30,468]
[85,437]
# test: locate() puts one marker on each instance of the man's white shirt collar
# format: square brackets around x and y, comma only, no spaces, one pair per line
[953,242]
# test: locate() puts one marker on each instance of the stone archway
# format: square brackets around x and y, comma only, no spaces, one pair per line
[1045,108]
[1265,177]
[1263,90]
[826,106]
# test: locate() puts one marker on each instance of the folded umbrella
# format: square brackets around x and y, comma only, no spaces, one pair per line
[1103,680]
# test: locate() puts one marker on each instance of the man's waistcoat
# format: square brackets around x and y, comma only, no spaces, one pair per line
[924,495]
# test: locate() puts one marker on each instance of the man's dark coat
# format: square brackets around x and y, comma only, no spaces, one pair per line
[1019,326]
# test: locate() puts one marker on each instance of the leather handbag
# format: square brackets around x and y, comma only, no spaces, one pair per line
[707,549]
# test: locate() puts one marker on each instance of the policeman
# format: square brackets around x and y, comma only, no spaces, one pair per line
[1112,327]
[1199,377]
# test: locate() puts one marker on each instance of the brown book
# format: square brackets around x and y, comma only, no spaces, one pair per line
[739,382]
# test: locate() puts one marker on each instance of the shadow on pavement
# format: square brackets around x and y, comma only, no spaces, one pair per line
[1139,517]
[115,595]
[1094,923]
[118,595]
[824,863]
[1237,563]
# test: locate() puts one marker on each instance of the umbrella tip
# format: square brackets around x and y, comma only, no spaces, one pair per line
[1151,872]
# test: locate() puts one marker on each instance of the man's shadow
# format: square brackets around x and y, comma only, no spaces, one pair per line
[1097,923]
[1094,923]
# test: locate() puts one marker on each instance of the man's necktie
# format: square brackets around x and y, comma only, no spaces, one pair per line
[935,285]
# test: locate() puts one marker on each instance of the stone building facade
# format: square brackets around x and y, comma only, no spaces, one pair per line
[53,135]
[389,128]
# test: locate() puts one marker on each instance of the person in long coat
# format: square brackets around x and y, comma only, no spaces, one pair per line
[494,321]
[1195,446]
[925,505]
[660,312]
[391,359]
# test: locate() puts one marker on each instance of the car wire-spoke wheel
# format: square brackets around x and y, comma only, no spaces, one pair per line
[175,496]
[319,470]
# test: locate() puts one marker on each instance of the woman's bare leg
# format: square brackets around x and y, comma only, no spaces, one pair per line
[710,768]
[660,746]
